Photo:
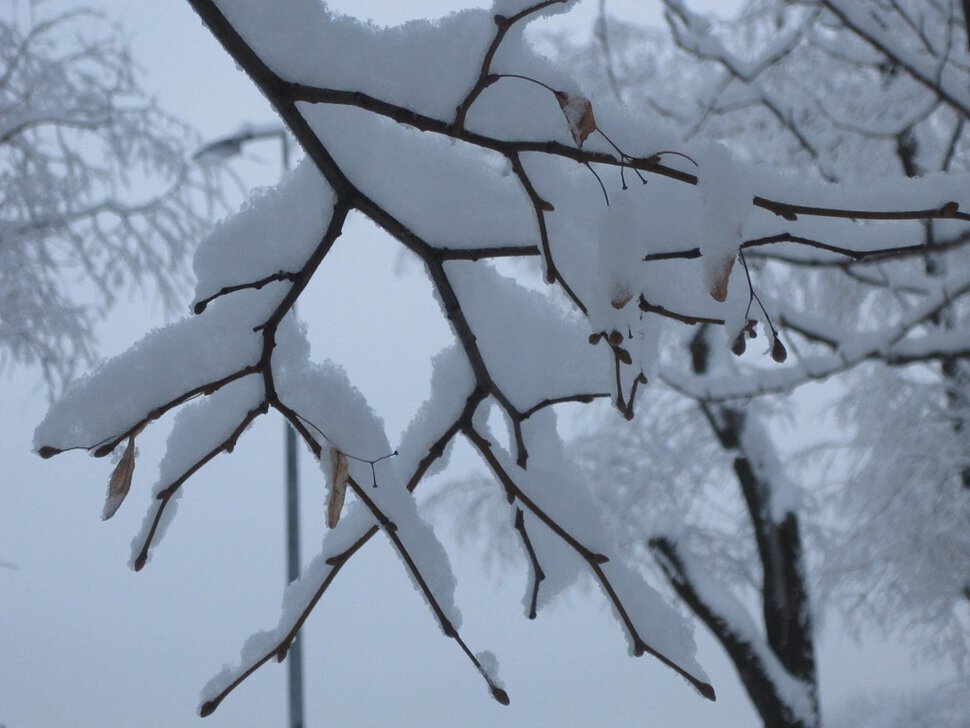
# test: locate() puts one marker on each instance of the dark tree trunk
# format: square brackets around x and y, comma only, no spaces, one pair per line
[786,610]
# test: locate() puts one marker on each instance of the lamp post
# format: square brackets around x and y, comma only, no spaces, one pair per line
[219,150]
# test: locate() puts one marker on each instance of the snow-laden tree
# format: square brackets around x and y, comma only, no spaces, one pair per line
[837,91]
[466,147]
[97,191]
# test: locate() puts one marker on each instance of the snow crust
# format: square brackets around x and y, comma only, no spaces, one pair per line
[169,361]
[726,201]
[533,350]
[323,395]
[452,382]
[445,193]
[276,231]
[424,64]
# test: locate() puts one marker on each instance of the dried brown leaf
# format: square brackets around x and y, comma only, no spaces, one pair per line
[120,482]
[621,297]
[579,115]
[719,288]
[338,486]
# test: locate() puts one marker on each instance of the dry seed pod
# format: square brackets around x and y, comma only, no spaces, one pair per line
[579,115]
[738,347]
[338,486]
[120,482]
[778,351]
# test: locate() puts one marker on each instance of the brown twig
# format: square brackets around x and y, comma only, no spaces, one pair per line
[502,26]
[200,306]
[684,318]
[874,255]
[538,575]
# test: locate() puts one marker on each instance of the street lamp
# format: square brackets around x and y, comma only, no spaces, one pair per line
[217,151]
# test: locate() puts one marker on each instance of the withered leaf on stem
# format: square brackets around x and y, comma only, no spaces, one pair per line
[120,482]
[579,115]
[338,486]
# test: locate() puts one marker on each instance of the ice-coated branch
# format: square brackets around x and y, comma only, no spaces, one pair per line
[691,33]
[74,120]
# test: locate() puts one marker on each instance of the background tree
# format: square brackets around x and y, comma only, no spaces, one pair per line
[97,188]
[488,153]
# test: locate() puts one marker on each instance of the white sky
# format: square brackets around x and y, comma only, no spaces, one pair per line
[85,642]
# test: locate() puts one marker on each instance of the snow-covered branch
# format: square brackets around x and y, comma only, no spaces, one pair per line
[488,152]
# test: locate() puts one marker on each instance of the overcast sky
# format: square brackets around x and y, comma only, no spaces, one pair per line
[86,642]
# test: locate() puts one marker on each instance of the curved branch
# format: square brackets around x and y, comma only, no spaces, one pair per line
[166,494]
[502,25]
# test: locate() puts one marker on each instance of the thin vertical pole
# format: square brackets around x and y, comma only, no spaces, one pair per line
[294,659]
